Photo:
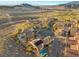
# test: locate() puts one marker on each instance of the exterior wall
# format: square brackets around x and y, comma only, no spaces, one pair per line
[74,47]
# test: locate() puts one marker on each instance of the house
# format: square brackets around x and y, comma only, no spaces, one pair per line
[74,45]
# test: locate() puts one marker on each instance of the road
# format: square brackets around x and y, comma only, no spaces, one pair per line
[56,48]
[11,23]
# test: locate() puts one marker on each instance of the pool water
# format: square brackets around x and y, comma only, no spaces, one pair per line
[43,52]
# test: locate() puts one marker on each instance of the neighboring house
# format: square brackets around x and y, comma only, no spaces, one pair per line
[44,33]
[74,46]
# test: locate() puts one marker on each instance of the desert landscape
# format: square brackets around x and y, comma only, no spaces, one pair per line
[39,31]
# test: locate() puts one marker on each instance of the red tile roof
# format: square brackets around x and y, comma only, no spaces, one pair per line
[72,42]
[75,52]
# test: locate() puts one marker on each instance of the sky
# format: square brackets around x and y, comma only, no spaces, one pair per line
[33,2]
